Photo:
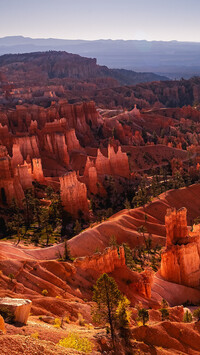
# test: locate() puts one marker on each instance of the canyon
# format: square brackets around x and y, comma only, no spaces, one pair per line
[98,178]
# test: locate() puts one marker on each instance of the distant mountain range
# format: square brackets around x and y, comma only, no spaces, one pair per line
[172,59]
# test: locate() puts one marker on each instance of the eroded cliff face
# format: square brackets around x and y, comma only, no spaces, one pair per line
[102,262]
[112,260]
[181,259]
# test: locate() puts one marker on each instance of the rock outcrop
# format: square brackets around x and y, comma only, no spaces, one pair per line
[15,309]
[181,259]
[115,164]
[103,262]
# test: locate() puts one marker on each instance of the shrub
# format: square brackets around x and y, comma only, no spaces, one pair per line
[57,323]
[196,314]
[11,277]
[66,319]
[35,335]
[44,292]
[165,313]
[73,341]
[187,318]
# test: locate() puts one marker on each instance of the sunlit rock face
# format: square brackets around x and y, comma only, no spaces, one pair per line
[74,195]
[181,259]
[16,309]
[103,262]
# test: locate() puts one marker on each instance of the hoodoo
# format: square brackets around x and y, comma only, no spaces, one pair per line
[180,261]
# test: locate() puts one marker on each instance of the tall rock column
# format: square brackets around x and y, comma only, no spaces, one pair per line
[74,195]
[37,170]
[176,225]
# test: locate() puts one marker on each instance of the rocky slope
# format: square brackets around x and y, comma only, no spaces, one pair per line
[49,65]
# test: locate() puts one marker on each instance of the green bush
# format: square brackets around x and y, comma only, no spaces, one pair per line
[196,314]
[187,318]
[73,341]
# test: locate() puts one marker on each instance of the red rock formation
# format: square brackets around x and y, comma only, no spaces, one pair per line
[2,325]
[28,146]
[56,145]
[74,195]
[118,162]
[37,170]
[181,259]
[176,225]
[113,261]
[115,164]
[17,157]
[102,164]
[5,163]
[24,176]
[144,284]
[102,262]
[72,141]
[10,186]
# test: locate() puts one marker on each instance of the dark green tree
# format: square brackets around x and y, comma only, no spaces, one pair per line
[187,318]
[107,297]
[28,203]
[164,313]
[143,315]
[16,223]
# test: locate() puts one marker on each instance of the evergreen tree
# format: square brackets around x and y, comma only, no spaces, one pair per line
[165,313]
[16,224]
[107,297]
[187,318]
[28,203]
[143,315]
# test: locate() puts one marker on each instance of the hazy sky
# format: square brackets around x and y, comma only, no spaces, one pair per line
[95,19]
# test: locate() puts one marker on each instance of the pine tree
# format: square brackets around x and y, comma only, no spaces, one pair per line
[107,296]
[187,318]
[165,313]
[143,314]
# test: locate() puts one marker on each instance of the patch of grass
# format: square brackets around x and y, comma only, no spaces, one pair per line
[74,341]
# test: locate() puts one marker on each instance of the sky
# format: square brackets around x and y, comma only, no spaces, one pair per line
[102,19]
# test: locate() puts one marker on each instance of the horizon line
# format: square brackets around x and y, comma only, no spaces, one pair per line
[99,39]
